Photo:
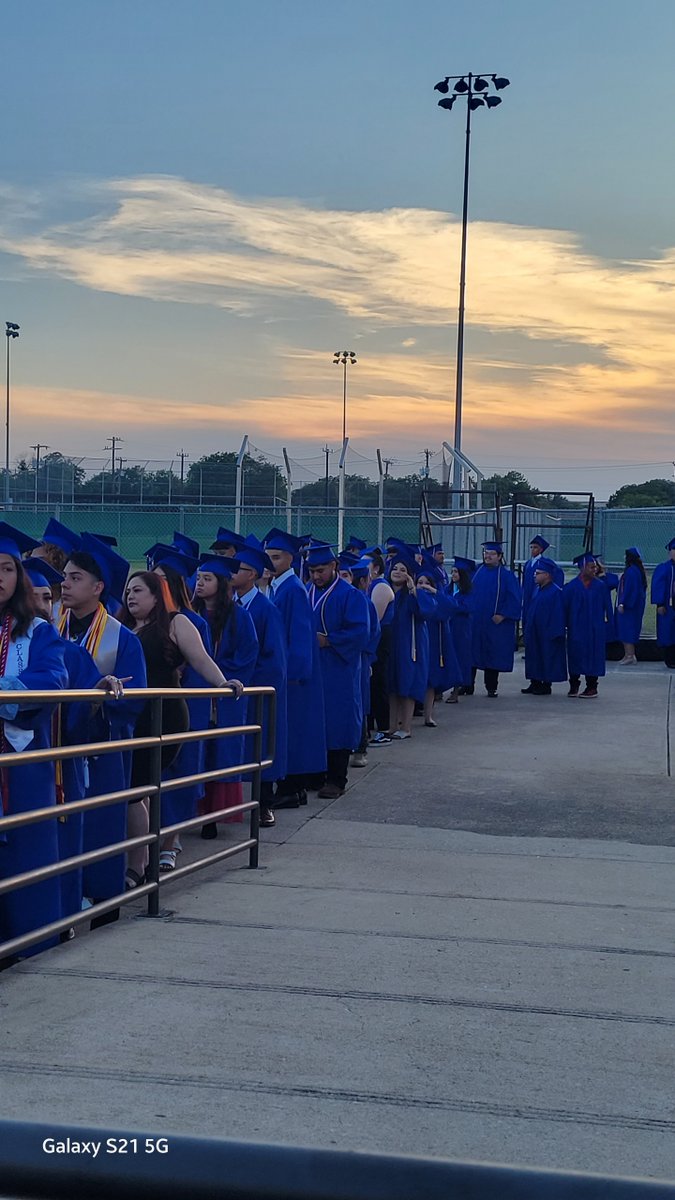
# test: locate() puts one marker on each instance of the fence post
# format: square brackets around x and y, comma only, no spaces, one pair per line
[155,804]
[238,484]
[255,786]
[341,495]
[289,493]
[380,500]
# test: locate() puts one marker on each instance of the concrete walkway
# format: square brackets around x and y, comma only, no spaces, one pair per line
[472,954]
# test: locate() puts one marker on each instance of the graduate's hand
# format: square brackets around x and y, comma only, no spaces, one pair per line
[620,608]
[235,686]
[497,619]
[322,640]
[113,685]
[662,610]
[410,583]
[427,587]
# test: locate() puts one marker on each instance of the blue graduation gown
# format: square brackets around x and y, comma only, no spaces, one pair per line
[306,744]
[181,804]
[529,585]
[461,631]
[409,655]
[341,612]
[270,671]
[632,596]
[611,582]
[112,772]
[587,611]
[80,723]
[496,592]
[30,787]
[369,655]
[236,654]
[444,669]
[544,632]
[663,589]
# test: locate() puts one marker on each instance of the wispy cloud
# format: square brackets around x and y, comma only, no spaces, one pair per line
[168,239]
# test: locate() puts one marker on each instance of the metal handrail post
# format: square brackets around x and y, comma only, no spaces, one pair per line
[255,786]
[155,805]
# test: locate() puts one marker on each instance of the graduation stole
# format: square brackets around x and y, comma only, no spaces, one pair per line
[5,637]
[92,639]
[58,763]
[321,602]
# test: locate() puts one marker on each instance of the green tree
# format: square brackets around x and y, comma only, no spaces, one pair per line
[654,493]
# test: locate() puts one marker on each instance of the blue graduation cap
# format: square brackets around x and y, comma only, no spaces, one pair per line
[41,573]
[547,565]
[168,556]
[371,550]
[634,551]
[107,538]
[464,564]
[347,560]
[437,548]
[496,546]
[14,542]
[394,543]
[360,568]
[540,541]
[671,544]
[113,568]
[215,564]
[357,543]
[255,557]
[430,571]
[227,537]
[278,539]
[186,545]
[319,553]
[60,535]
[404,556]
[581,559]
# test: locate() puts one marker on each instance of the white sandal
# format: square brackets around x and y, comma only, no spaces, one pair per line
[167,860]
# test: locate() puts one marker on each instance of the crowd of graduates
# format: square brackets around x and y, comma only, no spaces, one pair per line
[355,644]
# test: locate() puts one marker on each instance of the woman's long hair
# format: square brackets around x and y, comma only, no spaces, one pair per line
[164,609]
[223,610]
[378,561]
[634,560]
[22,604]
[465,582]
[178,588]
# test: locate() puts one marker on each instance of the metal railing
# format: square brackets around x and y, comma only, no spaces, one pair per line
[153,791]
[35,1164]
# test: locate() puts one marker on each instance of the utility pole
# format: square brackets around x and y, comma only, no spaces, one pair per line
[182,454]
[327,451]
[40,446]
[114,442]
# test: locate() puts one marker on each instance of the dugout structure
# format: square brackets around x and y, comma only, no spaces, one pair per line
[456,521]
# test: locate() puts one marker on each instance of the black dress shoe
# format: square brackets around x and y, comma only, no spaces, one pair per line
[286,802]
[302,796]
[209,831]
[492,695]
[529,691]
[267,817]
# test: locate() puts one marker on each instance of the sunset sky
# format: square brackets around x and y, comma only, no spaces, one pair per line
[201,202]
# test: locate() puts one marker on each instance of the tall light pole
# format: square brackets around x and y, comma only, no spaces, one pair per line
[344,359]
[114,443]
[182,455]
[11,331]
[476,90]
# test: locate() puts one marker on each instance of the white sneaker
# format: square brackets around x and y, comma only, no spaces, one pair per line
[400,736]
[358,760]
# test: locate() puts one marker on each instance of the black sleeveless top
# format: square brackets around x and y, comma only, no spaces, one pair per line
[163,659]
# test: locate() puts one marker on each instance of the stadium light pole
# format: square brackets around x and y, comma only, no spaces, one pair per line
[344,359]
[477,90]
[11,332]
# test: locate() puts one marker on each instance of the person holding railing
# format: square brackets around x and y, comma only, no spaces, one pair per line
[31,658]
[409,657]
[92,575]
[235,650]
[169,641]
[177,567]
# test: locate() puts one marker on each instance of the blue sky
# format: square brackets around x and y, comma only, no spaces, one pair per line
[200,203]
